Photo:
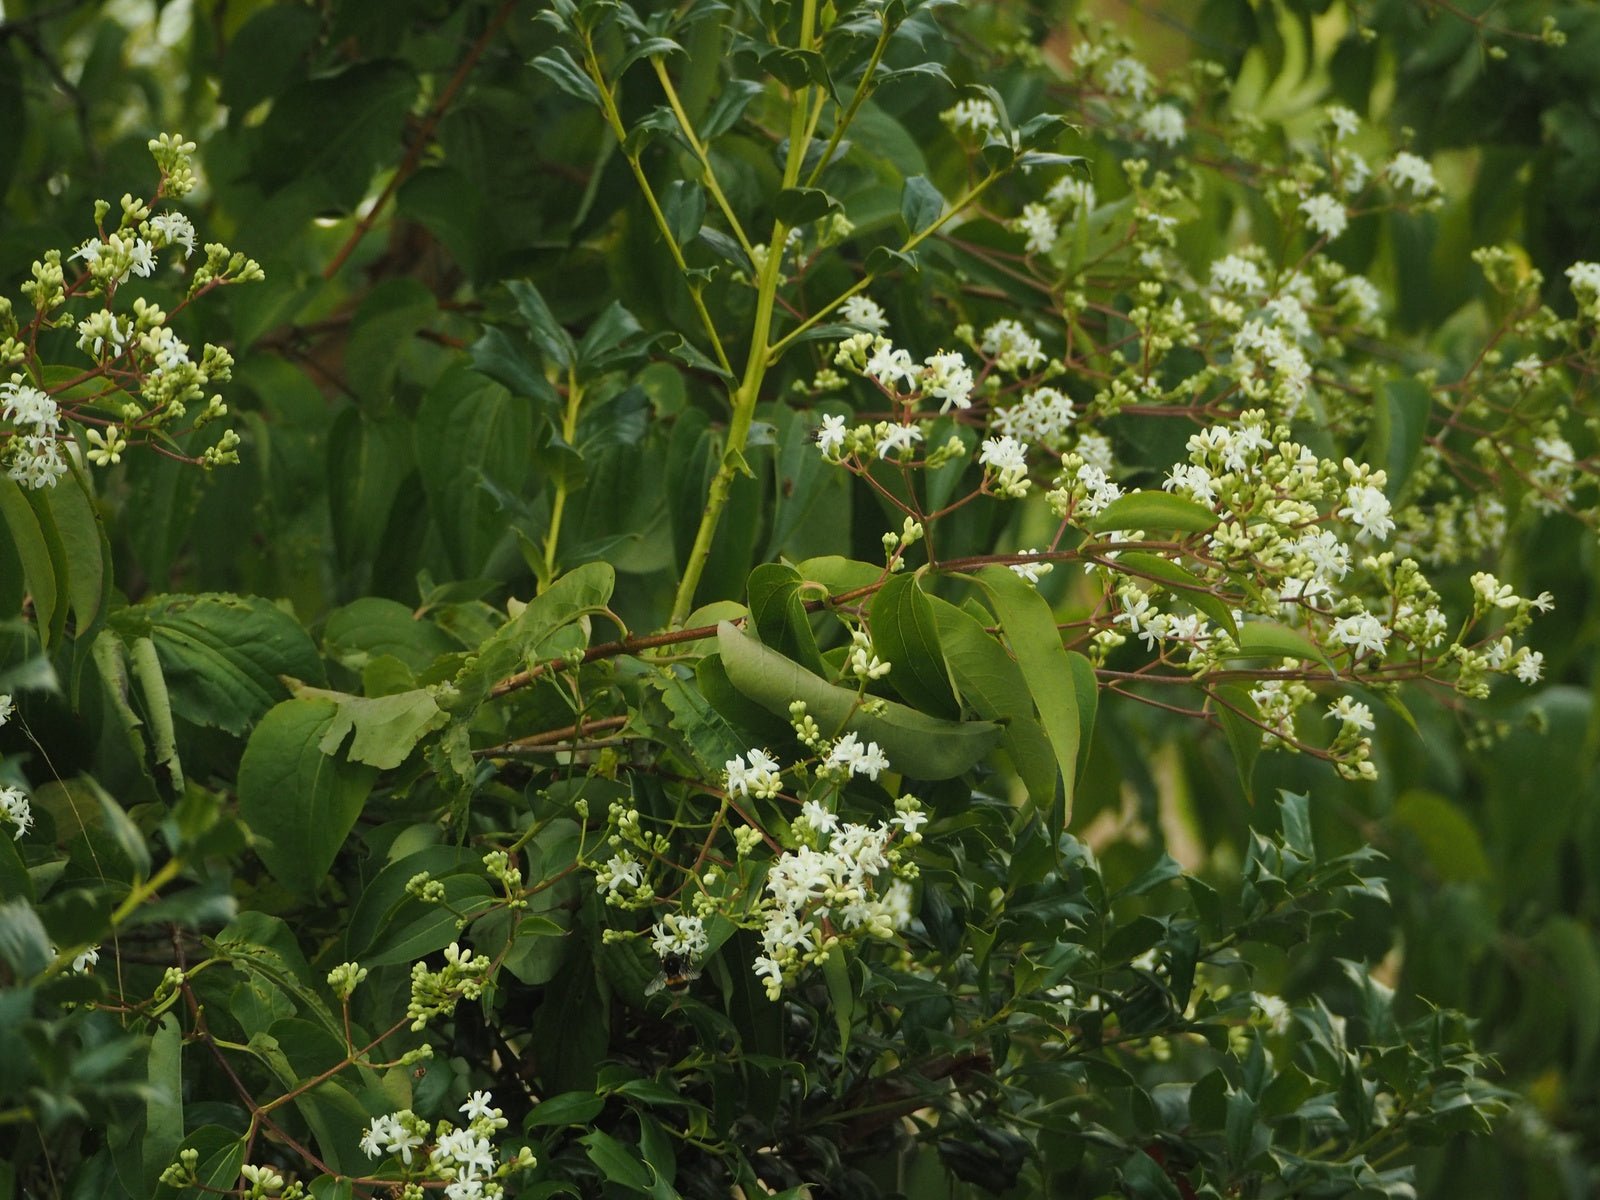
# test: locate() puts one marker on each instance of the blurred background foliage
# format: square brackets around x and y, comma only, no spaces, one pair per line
[410,136]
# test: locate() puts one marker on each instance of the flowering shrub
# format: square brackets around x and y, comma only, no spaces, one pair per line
[879,606]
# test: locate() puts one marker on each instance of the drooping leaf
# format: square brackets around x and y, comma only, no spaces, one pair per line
[1030,627]
[906,634]
[916,744]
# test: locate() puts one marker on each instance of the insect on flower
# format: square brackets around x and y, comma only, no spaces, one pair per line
[678,971]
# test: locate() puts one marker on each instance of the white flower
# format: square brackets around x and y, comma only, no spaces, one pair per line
[871,761]
[888,365]
[1363,631]
[761,778]
[1031,571]
[680,934]
[818,817]
[376,1138]
[897,439]
[480,1104]
[1004,454]
[1128,77]
[1043,415]
[946,376]
[175,230]
[1361,294]
[1368,507]
[1011,346]
[142,258]
[863,313]
[973,115]
[623,870]
[1163,123]
[1325,215]
[1038,226]
[1352,713]
[1070,192]
[1530,666]
[14,807]
[1235,274]
[1409,170]
[1345,123]
[1585,277]
[1274,1010]
[24,404]
[830,437]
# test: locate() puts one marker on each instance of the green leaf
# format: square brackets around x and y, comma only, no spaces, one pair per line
[520,641]
[780,615]
[221,655]
[683,203]
[1448,837]
[1154,510]
[1087,686]
[569,1108]
[300,802]
[1268,639]
[1235,710]
[24,944]
[1030,627]
[387,728]
[472,437]
[43,560]
[385,914]
[372,627]
[917,745]
[732,100]
[1399,425]
[906,634]
[920,204]
[554,342]
[163,1113]
[618,1162]
[992,683]
[1182,582]
[559,67]
[85,550]
[802,205]
[841,995]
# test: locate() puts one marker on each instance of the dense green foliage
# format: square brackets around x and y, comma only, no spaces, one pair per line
[842,600]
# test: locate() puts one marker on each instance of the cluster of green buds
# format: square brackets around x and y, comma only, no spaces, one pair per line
[141,383]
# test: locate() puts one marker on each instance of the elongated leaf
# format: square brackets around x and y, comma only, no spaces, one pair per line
[905,633]
[1237,712]
[85,550]
[917,745]
[1154,510]
[41,565]
[920,204]
[991,682]
[300,802]
[1268,639]
[1030,627]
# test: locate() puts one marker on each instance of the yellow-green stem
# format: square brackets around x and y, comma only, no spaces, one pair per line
[569,431]
[755,368]
[699,149]
[608,106]
[137,896]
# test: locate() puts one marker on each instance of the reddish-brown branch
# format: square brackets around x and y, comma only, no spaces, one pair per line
[419,144]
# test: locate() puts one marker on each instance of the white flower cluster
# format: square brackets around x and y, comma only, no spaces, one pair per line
[1043,415]
[14,807]
[32,453]
[974,117]
[462,1158]
[827,888]
[680,935]
[760,776]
